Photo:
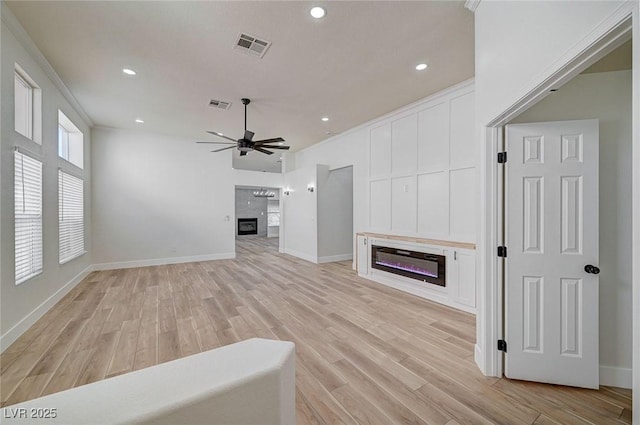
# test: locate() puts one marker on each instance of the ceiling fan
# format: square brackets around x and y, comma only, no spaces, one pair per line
[246,144]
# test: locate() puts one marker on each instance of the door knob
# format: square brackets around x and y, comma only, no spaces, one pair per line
[591,269]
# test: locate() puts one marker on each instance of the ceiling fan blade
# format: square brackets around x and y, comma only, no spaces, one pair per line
[220,143]
[248,135]
[262,150]
[243,153]
[215,133]
[277,139]
[257,145]
[224,149]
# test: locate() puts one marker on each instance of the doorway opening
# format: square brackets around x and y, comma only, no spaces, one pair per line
[335,216]
[258,219]
[602,92]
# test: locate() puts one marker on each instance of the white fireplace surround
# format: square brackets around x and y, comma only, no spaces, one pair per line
[460,289]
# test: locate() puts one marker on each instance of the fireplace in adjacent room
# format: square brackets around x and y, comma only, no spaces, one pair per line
[416,265]
[247,226]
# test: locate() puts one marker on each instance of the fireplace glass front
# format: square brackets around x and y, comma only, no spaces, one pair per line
[416,265]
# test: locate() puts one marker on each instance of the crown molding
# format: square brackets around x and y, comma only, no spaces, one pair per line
[472,5]
[12,23]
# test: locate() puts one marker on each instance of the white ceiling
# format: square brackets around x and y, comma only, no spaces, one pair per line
[354,65]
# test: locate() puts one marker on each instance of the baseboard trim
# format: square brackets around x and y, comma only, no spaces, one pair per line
[301,255]
[21,327]
[612,376]
[334,258]
[478,358]
[162,261]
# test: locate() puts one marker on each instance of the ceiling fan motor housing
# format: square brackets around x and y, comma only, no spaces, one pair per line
[244,145]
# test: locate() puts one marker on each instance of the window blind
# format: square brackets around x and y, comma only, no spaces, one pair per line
[28,217]
[70,216]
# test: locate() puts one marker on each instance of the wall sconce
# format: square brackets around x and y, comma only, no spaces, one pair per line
[310,187]
[287,191]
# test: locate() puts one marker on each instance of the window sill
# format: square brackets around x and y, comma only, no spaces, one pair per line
[66,260]
[28,278]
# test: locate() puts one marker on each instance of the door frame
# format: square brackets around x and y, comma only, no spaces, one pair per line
[618,28]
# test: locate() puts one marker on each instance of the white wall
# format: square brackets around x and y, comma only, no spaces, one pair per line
[22,305]
[426,148]
[257,178]
[422,170]
[519,42]
[347,149]
[607,97]
[335,216]
[300,213]
[518,46]
[159,199]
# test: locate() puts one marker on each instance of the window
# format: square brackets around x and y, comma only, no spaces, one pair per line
[28,217]
[70,141]
[70,216]
[27,105]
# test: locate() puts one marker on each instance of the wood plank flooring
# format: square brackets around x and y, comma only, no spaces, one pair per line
[366,354]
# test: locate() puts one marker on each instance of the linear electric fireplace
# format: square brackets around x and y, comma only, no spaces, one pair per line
[247,226]
[416,265]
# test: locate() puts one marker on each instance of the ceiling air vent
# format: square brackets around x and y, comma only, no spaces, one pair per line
[252,45]
[220,104]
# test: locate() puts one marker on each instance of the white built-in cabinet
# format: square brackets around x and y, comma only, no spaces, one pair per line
[461,269]
[460,289]
[423,193]
[362,255]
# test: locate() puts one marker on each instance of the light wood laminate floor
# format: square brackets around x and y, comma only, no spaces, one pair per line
[366,354]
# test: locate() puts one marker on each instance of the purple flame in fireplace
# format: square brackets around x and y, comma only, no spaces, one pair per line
[407,267]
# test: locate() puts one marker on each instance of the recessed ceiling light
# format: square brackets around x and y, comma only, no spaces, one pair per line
[281,143]
[139,121]
[128,71]
[317,12]
[220,134]
[421,67]
[325,119]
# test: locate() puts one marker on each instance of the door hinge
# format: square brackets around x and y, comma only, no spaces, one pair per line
[502,157]
[502,251]
[502,345]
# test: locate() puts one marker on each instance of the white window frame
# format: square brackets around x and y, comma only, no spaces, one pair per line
[28,226]
[63,142]
[33,106]
[70,141]
[71,235]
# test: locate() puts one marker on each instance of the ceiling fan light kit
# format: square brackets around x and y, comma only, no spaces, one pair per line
[246,144]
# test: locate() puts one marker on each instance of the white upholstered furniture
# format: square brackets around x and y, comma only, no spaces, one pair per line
[251,382]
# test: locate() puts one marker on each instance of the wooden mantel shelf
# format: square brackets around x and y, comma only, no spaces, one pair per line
[453,244]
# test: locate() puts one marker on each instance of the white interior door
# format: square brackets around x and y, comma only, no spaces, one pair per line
[551,287]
